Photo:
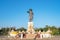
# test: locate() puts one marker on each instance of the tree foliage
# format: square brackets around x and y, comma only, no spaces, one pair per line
[54,29]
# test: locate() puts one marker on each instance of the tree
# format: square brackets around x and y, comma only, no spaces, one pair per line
[21,29]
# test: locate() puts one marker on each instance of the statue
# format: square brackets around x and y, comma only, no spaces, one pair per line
[30,15]
[30,29]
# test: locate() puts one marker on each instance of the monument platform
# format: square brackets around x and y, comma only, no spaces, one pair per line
[30,36]
[30,28]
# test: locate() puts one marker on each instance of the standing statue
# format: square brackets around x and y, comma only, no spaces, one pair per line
[30,15]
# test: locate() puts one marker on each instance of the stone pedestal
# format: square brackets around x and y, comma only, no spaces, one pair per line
[30,36]
[30,29]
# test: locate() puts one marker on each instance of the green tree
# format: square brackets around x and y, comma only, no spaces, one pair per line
[21,29]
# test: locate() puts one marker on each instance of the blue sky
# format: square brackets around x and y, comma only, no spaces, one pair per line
[14,12]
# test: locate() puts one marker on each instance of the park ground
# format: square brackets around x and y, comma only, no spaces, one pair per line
[10,38]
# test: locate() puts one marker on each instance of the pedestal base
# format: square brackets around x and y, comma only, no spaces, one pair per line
[30,36]
[30,29]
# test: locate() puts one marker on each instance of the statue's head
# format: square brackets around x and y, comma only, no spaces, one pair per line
[30,9]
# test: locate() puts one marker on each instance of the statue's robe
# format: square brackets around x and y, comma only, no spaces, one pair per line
[30,16]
